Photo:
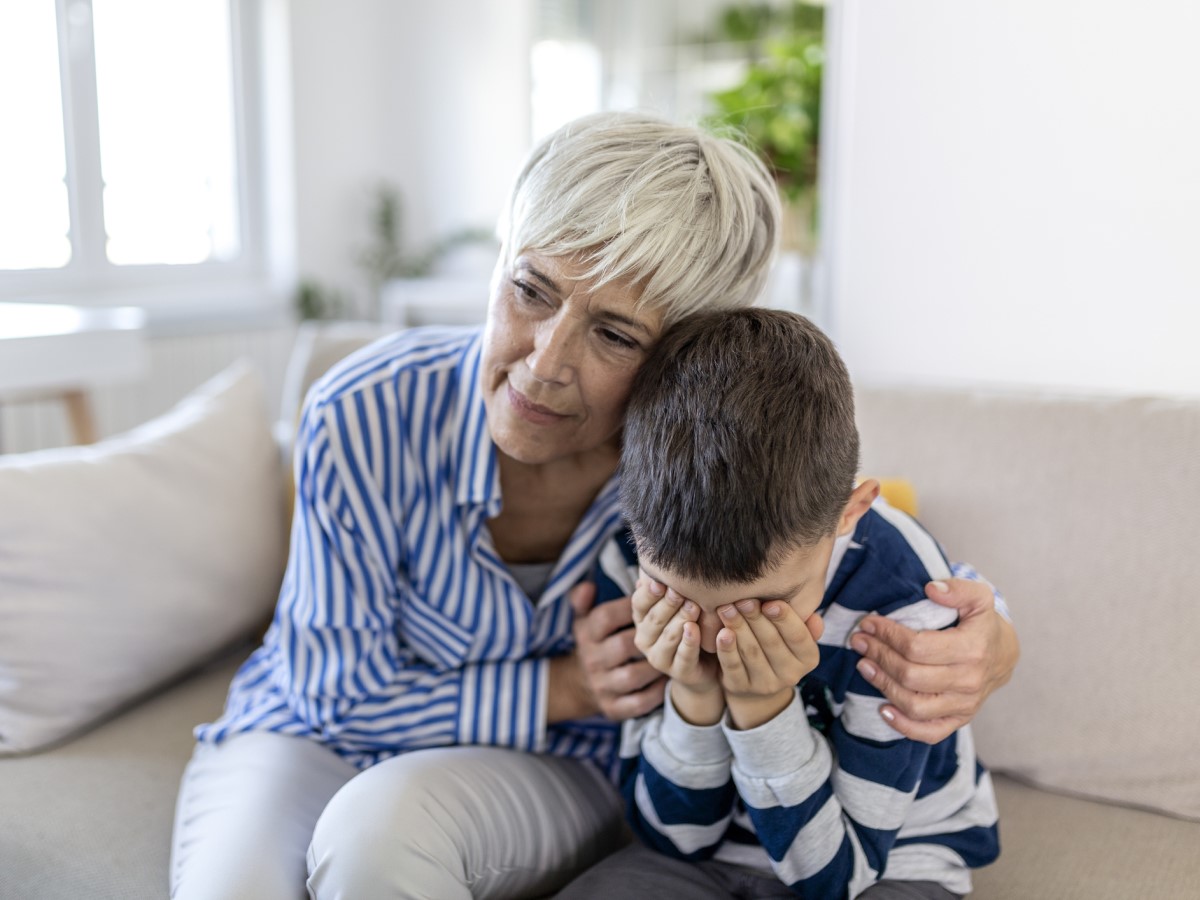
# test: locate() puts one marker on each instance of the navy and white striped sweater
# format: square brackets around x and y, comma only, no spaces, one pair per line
[826,794]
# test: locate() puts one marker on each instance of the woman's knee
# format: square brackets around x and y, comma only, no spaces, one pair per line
[245,815]
[386,834]
[462,822]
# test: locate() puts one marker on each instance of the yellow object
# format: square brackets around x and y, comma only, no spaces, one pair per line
[900,493]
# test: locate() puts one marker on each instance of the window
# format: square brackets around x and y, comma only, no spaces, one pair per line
[127,149]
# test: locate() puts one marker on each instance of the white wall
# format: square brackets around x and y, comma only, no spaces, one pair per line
[433,96]
[1014,192]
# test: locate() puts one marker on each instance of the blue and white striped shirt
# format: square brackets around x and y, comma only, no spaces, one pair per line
[398,626]
[827,794]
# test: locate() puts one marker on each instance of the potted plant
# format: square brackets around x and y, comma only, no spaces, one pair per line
[411,277]
[776,107]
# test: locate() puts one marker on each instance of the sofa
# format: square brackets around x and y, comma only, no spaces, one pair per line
[1083,510]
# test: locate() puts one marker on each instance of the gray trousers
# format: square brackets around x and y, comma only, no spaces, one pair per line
[269,817]
[638,872]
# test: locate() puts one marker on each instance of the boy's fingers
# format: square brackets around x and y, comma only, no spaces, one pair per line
[793,641]
[641,602]
[815,625]
[733,670]
[660,652]
[656,615]
[687,654]
[753,657]
[775,635]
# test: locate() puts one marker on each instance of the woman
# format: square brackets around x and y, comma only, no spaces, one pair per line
[421,718]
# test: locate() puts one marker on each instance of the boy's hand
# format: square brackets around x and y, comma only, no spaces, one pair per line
[668,634]
[764,651]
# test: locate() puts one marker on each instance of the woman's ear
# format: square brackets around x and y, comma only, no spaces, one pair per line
[860,501]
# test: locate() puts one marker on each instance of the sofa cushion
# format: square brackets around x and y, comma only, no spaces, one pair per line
[1062,847]
[92,818]
[1084,512]
[125,562]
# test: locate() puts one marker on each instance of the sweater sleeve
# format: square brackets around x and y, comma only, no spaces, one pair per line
[345,667]
[827,808]
[676,782]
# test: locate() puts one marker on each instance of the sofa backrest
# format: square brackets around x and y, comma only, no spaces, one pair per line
[1086,513]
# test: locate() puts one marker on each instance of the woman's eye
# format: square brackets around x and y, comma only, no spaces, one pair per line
[619,340]
[525,292]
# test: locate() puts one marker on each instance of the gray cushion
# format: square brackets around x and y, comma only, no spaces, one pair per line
[92,818]
[1064,847]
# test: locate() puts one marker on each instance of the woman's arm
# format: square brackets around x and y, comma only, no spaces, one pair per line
[345,665]
[938,680]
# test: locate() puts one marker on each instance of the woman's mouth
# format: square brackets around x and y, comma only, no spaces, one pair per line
[530,411]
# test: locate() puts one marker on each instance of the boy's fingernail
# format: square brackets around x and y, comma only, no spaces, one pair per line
[772,610]
[745,605]
[858,644]
[867,670]
[867,625]
[655,588]
[689,607]
[728,613]
[941,587]
[887,714]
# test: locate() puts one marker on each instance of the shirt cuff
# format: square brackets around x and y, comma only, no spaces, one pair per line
[697,745]
[777,747]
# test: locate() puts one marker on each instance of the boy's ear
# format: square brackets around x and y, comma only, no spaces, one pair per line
[860,501]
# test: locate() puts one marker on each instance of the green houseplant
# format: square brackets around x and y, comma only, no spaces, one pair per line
[385,258]
[776,107]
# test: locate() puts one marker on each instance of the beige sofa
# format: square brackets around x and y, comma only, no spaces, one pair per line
[1083,510]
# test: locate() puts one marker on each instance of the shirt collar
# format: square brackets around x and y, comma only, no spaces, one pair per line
[475,461]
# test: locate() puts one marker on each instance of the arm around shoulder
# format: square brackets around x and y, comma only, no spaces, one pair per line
[937,681]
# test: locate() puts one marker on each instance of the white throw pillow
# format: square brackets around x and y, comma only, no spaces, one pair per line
[127,562]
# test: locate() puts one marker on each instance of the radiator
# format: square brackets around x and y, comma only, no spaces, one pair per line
[177,364]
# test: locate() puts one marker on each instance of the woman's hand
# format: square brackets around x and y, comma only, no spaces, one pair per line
[610,676]
[937,680]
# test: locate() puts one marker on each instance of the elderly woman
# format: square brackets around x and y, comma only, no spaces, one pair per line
[424,716]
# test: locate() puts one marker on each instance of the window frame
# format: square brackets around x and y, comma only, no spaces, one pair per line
[89,278]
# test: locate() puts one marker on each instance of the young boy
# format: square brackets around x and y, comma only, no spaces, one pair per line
[769,771]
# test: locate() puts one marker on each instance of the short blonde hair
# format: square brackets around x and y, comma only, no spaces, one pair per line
[690,215]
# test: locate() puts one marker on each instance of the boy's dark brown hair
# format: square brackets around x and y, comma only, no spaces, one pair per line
[739,446]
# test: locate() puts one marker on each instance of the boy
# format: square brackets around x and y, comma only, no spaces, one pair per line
[768,771]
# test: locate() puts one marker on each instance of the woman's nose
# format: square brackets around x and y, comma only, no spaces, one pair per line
[554,350]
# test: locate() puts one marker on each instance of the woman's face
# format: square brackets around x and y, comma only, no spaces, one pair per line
[559,358]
